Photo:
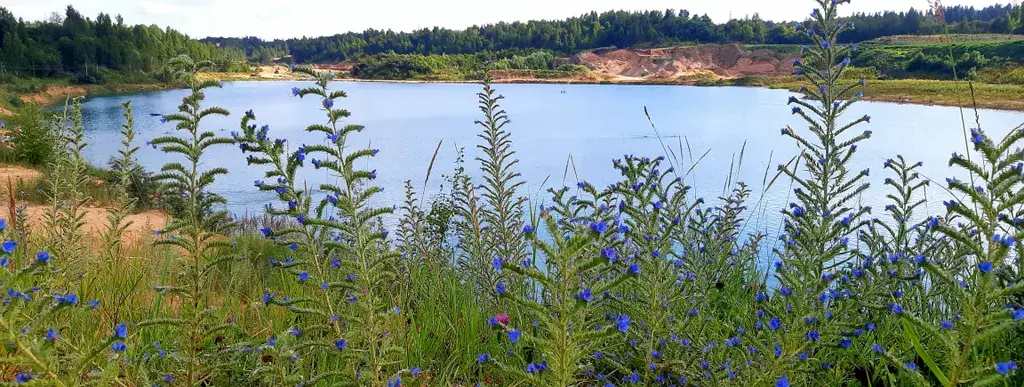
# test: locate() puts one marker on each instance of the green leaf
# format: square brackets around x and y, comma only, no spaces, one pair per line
[908,333]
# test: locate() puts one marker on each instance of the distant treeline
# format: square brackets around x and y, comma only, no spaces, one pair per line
[71,44]
[541,64]
[615,29]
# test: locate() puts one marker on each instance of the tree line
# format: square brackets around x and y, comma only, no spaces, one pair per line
[617,29]
[72,44]
[69,43]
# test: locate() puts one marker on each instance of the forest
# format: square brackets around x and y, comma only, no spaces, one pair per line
[71,44]
[618,29]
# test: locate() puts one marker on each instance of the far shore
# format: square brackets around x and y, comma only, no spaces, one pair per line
[916,92]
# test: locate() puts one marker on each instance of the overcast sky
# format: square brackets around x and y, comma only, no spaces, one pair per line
[295,18]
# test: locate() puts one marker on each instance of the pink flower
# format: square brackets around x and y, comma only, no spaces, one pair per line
[502,318]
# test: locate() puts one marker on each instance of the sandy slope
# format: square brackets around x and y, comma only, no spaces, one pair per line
[727,60]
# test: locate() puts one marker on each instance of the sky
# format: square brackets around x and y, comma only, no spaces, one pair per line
[270,19]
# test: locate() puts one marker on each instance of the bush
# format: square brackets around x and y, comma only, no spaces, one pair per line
[140,187]
[34,136]
[89,79]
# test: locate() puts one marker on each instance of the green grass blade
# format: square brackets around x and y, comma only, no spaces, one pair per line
[909,334]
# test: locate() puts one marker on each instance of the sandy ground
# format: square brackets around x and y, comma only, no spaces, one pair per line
[726,60]
[266,73]
[17,176]
[53,94]
[96,222]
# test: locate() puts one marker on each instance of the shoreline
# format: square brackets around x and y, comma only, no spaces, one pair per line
[914,92]
[902,92]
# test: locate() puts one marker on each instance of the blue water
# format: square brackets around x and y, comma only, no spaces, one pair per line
[592,124]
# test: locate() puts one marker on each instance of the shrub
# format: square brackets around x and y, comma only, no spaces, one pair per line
[33,135]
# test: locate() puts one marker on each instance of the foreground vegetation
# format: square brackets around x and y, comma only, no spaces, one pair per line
[639,282]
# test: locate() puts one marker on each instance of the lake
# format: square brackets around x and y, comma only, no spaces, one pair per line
[591,123]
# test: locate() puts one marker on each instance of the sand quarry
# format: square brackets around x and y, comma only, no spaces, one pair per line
[727,61]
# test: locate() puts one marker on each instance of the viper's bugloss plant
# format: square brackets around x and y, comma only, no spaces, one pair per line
[491,213]
[693,264]
[812,307]
[66,183]
[346,306]
[973,309]
[126,167]
[560,292]
[199,325]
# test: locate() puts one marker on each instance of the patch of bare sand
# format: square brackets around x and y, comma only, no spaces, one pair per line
[18,175]
[729,60]
[95,219]
[97,223]
[54,93]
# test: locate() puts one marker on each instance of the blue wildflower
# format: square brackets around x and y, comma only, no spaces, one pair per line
[513,335]
[585,295]
[1005,367]
[608,253]
[9,246]
[622,323]
[23,377]
[783,381]
[813,336]
[118,346]
[340,344]
[985,267]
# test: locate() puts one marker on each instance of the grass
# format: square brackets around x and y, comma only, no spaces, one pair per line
[928,92]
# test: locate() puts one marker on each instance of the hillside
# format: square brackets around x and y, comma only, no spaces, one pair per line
[730,61]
